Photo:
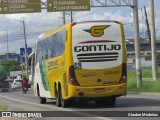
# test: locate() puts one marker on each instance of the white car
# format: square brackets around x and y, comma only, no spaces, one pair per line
[17,84]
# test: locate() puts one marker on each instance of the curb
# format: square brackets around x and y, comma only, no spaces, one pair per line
[143,93]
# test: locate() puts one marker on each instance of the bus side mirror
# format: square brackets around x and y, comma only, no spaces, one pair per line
[30,61]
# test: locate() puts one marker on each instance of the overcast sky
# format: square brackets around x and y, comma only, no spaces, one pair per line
[37,23]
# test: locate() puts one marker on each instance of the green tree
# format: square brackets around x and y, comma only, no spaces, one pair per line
[11,65]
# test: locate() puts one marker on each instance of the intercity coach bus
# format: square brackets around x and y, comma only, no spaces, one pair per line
[81,61]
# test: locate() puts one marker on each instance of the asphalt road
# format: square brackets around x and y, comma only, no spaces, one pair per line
[17,101]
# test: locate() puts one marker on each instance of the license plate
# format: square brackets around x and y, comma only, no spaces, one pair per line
[100,90]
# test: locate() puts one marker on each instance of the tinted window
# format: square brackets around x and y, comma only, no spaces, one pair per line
[60,42]
[52,46]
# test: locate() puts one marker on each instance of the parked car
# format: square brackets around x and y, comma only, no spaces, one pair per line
[17,84]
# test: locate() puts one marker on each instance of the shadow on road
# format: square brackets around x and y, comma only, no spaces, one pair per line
[121,103]
[138,102]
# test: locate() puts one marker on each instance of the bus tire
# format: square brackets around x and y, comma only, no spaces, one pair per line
[42,100]
[65,103]
[58,99]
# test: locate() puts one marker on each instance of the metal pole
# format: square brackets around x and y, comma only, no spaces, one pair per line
[153,42]
[147,23]
[7,43]
[71,17]
[137,44]
[64,19]
[25,44]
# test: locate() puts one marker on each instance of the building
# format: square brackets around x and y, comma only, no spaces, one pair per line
[146,57]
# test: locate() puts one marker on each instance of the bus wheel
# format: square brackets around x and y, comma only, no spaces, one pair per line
[58,98]
[42,100]
[65,103]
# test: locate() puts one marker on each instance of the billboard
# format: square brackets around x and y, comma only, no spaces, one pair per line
[19,6]
[68,5]
[22,54]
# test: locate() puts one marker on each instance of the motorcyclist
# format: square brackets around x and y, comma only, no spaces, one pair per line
[24,85]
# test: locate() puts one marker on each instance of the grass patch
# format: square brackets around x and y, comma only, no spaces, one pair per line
[147,86]
[3,107]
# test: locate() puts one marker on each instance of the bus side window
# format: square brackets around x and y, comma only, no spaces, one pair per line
[53,39]
[39,51]
[66,35]
[49,53]
[49,50]
[42,57]
[52,53]
[43,49]
[46,55]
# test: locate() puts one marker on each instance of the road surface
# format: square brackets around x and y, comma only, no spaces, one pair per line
[17,101]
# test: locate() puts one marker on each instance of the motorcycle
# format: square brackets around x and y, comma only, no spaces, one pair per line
[24,89]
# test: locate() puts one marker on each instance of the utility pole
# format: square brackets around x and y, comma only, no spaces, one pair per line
[137,44]
[147,23]
[7,43]
[153,41]
[64,18]
[25,44]
[71,17]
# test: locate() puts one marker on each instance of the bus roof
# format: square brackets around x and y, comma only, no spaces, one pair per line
[52,31]
[59,28]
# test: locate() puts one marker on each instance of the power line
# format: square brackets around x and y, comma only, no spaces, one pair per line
[21,36]
[28,36]
[17,40]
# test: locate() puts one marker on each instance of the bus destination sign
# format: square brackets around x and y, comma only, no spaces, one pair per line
[68,5]
[19,6]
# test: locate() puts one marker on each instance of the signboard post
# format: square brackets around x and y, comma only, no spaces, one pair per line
[68,5]
[19,6]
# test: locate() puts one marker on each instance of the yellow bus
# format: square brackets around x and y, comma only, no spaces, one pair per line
[81,61]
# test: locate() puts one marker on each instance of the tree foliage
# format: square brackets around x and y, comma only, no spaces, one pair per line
[11,65]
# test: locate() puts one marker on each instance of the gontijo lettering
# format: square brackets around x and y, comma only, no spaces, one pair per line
[97,48]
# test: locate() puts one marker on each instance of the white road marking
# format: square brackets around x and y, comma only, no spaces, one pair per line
[62,109]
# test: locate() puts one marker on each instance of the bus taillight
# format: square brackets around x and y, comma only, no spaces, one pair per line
[72,77]
[116,22]
[124,74]
[74,23]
